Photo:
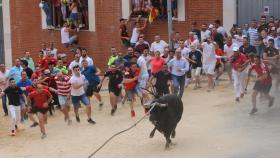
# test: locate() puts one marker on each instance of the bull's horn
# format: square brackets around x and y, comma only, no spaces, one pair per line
[161,105]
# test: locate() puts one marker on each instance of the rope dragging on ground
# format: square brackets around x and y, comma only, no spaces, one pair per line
[123,131]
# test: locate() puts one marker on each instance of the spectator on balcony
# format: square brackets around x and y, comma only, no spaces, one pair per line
[84,56]
[124,33]
[58,14]
[137,6]
[74,16]
[64,5]
[84,10]
[141,45]
[174,7]
[66,39]
[146,7]
[158,45]
[29,60]
[137,30]
[45,5]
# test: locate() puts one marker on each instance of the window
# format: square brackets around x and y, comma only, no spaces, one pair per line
[143,7]
[74,12]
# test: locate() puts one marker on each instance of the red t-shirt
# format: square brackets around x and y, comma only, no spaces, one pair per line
[31,89]
[239,61]
[45,62]
[261,70]
[129,75]
[36,75]
[157,64]
[38,99]
[219,52]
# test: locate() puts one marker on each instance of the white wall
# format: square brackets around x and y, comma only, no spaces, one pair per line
[229,13]
[7,32]
[126,9]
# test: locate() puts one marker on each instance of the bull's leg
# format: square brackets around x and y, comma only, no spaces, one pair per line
[168,140]
[152,134]
[173,134]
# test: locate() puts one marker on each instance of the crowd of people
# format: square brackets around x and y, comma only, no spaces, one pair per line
[52,82]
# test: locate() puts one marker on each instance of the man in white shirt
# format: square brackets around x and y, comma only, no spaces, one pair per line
[143,77]
[84,56]
[78,95]
[253,33]
[158,45]
[204,32]
[192,40]
[228,49]
[209,61]
[184,50]
[53,50]
[178,67]
[136,31]
[3,85]
[75,62]
[265,37]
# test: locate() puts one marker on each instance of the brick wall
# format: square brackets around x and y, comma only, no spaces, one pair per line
[27,33]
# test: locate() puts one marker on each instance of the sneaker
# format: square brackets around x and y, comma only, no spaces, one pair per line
[13,133]
[253,111]
[113,112]
[34,124]
[237,99]
[44,135]
[271,102]
[69,122]
[91,121]
[6,114]
[78,119]
[195,88]
[242,95]
[132,113]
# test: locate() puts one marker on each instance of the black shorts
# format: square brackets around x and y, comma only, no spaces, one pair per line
[218,66]
[35,109]
[161,91]
[92,89]
[263,88]
[117,91]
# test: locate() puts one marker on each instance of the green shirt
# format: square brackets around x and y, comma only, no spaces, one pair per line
[63,69]
[112,60]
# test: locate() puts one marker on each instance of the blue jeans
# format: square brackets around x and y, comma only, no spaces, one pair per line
[179,85]
[4,104]
[48,13]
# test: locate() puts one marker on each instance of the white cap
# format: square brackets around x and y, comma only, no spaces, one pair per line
[211,26]
[235,49]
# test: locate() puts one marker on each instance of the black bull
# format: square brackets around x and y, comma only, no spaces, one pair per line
[165,115]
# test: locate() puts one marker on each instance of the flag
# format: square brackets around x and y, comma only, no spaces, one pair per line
[153,14]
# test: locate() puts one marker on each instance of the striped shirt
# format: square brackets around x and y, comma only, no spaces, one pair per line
[63,86]
[253,35]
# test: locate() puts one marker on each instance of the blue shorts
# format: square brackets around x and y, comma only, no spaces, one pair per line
[63,100]
[74,16]
[76,101]
[130,94]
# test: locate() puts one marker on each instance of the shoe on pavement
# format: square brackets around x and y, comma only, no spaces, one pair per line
[91,121]
[237,99]
[132,113]
[44,135]
[13,133]
[253,111]
[100,106]
[242,95]
[34,124]
[69,122]
[78,119]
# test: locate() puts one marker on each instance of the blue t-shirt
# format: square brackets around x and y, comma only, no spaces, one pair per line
[90,75]
[22,83]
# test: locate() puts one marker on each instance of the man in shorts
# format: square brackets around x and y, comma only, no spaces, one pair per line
[78,94]
[115,86]
[195,59]
[263,82]
[209,61]
[63,92]
[40,99]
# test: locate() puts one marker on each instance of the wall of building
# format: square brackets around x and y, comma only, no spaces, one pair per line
[27,32]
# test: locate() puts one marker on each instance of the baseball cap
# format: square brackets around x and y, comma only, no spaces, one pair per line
[235,49]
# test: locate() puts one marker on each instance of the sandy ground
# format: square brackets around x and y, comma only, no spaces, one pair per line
[213,126]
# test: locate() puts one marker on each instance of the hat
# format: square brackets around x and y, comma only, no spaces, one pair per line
[211,26]
[235,49]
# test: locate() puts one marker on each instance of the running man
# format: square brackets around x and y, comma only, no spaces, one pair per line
[195,59]
[40,99]
[263,82]
[78,94]
[63,92]
[14,95]
[115,86]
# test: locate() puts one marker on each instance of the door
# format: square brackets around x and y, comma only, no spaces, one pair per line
[2,53]
[247,10]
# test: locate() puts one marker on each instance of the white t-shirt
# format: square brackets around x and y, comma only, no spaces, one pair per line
[65,36]
[89,60]
[54,52]
[135,35]
[208,54]
[77,80]
[228,49]
[73,63]
[205,34]
[148,61]
[159,46]
[143,66]
[238,40]
[185,52]
[265,40]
